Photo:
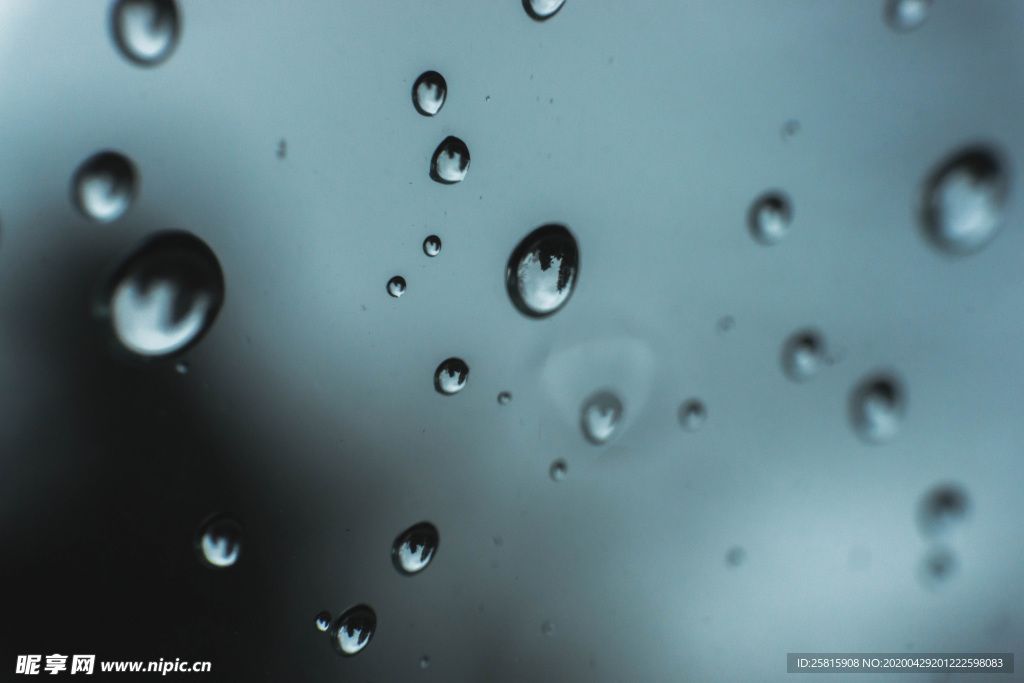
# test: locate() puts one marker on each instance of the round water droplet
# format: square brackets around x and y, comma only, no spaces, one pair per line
[938,566]
[790,128]
[965,199]
[164,296]
[450,161]
[220,541]
[548,627]
[414,548]
[906,15]
[877,406]
[323,621]
[451,375]
[559,470]
[352,631]
[504,398]
[146,31]
[600,416]
[735,556]
[770,217]
[541,10]
[803,355]
[429,92]
[432,245]
[424,662]
[104,186]
[692,414]
[396,286]
[541,273]
[943,508]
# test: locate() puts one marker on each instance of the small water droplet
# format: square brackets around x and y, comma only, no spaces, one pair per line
[498,542]
[542,10]
[938,566]
[541,273]
[692,414]
[351,632]
[790,128]
[942,508]
[414,548]
[220,541]
[146,31]
[429,92]
[726,323]
[964,202]
[877,405]
[770,217]
[600,416]
[906,15]
[282,149]
[103,187]
[432,246]
[803,355]
[504,398]
[424,662]
[323,621]
[396,286]
[548,627]
[164,296]
[182,368]
[451,375]
[735,556]
[450,162]
[559,470]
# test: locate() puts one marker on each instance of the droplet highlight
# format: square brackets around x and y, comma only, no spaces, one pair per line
[600,417]
[219,542]
[692,414]
[104,186]
[352,631]
[396,286]
[414,548]
[542,10]
[432,246]
[770,217]
[323,621]
[451,376]
[964,203]
[907,15]
[542,271]
[429,93]
[803,355]
[877,407]
[450,162]
[146,31]
[559,470]
[943,508]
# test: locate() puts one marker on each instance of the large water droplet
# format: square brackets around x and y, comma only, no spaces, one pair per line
[429,92]
[906,15]
[965,200]
[396,286]
[104,186]
[692,414]
[220,541]
[451,376]
[323,621]
[165,296]
[414,548]
[450,161]
[146,31]
[352,631]
[770,217]
[943,508]
[877,405]
[542,10]
[600,416]
[803,355]
[432,246]
[541,273]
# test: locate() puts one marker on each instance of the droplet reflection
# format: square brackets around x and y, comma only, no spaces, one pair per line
[414,548]
[104,186]
[542,270]
[352,631]
[220,541]
[600,416]
[146,31]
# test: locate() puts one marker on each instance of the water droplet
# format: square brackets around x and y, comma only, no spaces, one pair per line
[498,542]
[600,416]
[938,566]
[504,398]
[104,186]
[726,323]
[450,161]
[541,273]
[770,217]
[451,375]
[803,355]
[541,10]
[220,541]
[942,508]
[352,631]
[424,662]
[146,31]
[432,245]
[559,470]
[182,368]
[165,296]
[323,621]
[877,406]
[790,128]
[429,92]
[414,548]
[735,556]
[396,286]
[965,200]
[906,15]
[692,414]
[548,627]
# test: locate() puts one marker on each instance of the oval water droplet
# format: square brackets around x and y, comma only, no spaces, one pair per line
[803,355]
[877,405]
[938,566]
[352,631]
[103,187]
[396,286]
[943,508]
[164,296]
[542,10]
[692,414]
[450,161]
[432,246]
[323,621]
[424,662]
[906,15]
[414,548]
[541,273]
[600,416]
[220,541]
[504,398]
[770,217]
[451,375]
[559,470]
[735,556]
[965,199]
[429,92]
[146,31]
